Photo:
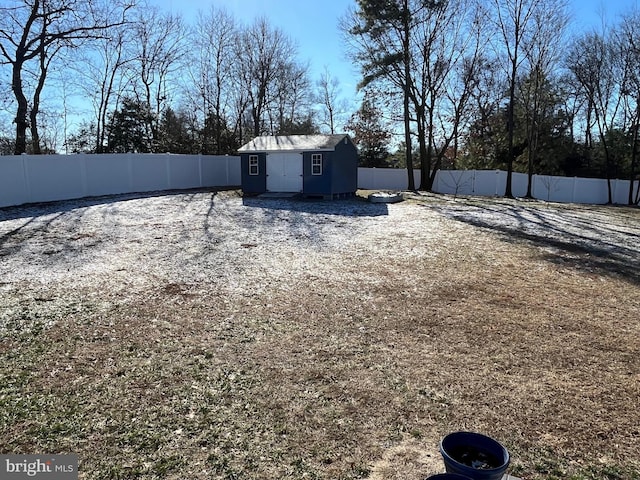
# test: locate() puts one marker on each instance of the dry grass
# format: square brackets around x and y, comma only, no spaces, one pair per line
[216,338]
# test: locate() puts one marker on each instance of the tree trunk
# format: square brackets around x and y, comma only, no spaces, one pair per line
[425,158]
[532,156]
[634,157]
[21,112]
[508,192]
[607,157]
[431,147]
[35,109]
[407,85]
[407,139]
[35,135]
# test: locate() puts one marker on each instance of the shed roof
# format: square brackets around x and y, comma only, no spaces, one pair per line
[293,143]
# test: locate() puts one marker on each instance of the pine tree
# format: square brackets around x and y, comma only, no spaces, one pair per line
[370,133]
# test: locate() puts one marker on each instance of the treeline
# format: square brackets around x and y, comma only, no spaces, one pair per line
[465,84]
[154,82]
[501,84]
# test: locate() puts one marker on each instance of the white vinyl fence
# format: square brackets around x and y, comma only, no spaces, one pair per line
[493,182]
[44,178]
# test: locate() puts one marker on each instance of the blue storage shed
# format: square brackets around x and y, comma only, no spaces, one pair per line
[314,165]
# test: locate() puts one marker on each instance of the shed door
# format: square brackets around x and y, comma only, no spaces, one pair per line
[284,172]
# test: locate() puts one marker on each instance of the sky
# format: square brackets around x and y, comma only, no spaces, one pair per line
[313,25]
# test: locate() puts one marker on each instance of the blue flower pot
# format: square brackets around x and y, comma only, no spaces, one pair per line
[448,476]
[474,455]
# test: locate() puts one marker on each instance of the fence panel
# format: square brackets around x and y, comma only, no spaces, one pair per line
[43,178]
[220,171]
[184,171]
[385,178]
[13,187]
[590,190]
[488,182]
[553,189]
[493,183]
[51,178]
[620,191]
[107,174]
[455,182]
[149,173]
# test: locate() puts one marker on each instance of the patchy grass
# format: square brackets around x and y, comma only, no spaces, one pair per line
[202,335]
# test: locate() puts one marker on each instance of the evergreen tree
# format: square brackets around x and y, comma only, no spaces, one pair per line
[127,130]
[217,138]
[174,134]
[84,140]
[370,133]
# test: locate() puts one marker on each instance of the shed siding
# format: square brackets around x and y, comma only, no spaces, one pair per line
[254,183]
[345,174]
[317,184]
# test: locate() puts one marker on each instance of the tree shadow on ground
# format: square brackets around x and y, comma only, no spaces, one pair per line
[37,218]
[590,239]
[347,207]
[34,210]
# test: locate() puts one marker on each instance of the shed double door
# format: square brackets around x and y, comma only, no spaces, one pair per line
[284,172]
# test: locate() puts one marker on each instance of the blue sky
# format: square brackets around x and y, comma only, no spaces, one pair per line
[313,24]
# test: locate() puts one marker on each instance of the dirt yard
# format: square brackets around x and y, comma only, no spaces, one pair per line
[202,335]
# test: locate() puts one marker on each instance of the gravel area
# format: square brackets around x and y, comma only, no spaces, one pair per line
[204,235]
[206,241]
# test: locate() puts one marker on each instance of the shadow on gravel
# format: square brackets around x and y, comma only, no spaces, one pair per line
[351,207]
[590,240]
[32,210]
[38,218]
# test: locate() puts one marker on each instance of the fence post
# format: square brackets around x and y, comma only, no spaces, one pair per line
[167,166]
[27,177]
[130,170]
[533,184]
[83,173]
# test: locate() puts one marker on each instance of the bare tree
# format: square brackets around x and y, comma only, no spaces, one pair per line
[628,47]
[515,26]
[379,33]
[290,104]
[265,56]
[449,40]
[161,48]
[212,70]
[429,53]
[328,98]
[591,60]
[100,73]
[35,31]
[542,54]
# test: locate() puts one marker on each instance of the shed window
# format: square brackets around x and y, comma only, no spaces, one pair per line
[253,165]
[316,164]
